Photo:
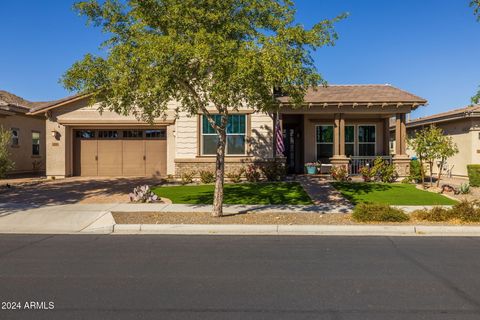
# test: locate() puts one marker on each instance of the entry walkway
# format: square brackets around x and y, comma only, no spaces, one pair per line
[321,192]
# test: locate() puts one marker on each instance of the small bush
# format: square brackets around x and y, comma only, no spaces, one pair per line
[366,212]
[467,211]
[415,171]
[252,174]
[273,170]
[464,188]
[5,163]
[207,176]
[339,173]
[474,174]
[187,177]
[143,194]
[383,171]
[235,176]
[435,214]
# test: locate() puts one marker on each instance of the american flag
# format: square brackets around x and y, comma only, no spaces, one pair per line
[279,138]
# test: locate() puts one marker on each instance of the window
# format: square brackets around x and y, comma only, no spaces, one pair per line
[156,134]
[85,134]
[35,143]
[324,138]
[236,128]
[108,134]
[132,134]
[349,141]
[366,140]
[15,137]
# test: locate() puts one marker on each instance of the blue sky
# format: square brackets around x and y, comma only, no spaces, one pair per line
[428,47]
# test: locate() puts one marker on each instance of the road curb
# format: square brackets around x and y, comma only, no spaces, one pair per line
[340,230]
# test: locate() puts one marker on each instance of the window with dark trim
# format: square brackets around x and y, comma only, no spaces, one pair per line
[156,134]
[366,140]
[107,134]
[236,135]
[35,143]
[133,134]
[349,141]
[324,140]
[85,134]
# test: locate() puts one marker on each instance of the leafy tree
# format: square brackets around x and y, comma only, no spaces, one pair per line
[211,56]
[431,144]
[6,164]
[475,4]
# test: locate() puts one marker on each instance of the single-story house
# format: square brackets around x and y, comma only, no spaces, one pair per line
[339,124]
[463,125]
[27,148]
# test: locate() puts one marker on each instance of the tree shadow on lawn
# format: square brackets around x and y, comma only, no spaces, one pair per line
[350,190]
[251,194]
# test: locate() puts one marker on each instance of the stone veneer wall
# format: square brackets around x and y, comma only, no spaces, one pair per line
[182,166]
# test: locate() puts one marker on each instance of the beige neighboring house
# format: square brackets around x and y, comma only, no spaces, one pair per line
[463,125]
[27,148]
[340,125]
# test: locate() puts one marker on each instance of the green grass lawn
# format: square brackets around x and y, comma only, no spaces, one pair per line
[390,193]
[244,193]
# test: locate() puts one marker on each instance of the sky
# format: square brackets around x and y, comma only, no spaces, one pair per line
[428,47]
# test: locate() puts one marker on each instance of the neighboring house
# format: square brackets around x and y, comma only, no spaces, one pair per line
[463,125]
[27,148]
[337,122]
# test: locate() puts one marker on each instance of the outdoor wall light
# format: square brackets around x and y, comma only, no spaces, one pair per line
[55,134]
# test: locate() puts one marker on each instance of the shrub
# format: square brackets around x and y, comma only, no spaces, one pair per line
[367,173]
[464,188]
[383,171]
[187,177]
[416,171]
[366,212]
[435,214]
[273,170]
[207,176]
[143,194]
[474,174]
[235,176]
[467,211]
[252,174]
[339,173]
[5,163]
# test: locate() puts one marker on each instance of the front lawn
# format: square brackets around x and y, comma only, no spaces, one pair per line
[244,193]
[389,193]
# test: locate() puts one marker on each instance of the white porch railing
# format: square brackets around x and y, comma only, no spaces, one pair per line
[358,162]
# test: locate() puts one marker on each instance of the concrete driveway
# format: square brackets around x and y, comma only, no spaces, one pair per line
[67,205]
[74,190]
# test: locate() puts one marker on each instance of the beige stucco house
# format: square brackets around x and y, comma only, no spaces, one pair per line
[27,147]
[463,125]
[342,125]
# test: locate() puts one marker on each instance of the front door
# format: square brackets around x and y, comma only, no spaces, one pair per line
[293,147]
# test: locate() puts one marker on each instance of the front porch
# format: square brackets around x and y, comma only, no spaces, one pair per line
[351,139]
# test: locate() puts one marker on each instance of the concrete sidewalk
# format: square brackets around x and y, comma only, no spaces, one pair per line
[97,218]
[72,218]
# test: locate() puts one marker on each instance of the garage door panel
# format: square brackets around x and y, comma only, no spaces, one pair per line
[155,157]
[88,154]
[133,157]
[109,157]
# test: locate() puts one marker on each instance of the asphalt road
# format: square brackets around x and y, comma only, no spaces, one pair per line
[230,277]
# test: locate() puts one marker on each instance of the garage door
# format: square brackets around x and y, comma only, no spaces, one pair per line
[120,152]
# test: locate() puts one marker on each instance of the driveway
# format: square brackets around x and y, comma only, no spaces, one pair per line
[73,190]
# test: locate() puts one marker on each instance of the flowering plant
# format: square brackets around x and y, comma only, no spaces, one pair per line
[313,164]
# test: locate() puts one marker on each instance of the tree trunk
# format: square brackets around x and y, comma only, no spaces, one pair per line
[439,173]
[422,172]
[430,164]
[219,172]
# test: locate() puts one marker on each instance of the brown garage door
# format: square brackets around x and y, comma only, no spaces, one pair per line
[120,152]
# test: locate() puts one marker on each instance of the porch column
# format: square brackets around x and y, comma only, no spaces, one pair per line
[401,160]
[339,158]
[386,137]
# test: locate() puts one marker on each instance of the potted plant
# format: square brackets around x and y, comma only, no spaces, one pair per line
[311,167]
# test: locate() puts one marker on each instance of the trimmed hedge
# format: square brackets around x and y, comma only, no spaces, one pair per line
[474,174]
